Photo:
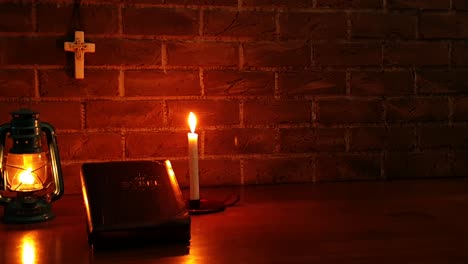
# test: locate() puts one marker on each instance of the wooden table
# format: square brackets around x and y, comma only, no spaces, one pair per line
[423,221]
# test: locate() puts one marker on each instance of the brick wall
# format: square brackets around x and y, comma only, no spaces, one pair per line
[285,90]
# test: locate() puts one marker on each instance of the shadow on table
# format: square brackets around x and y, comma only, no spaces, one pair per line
[137,252]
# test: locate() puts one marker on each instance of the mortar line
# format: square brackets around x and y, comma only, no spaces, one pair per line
[276,89]
[36,84]
[201,81]
[242,173]
[201,22]
[121,83]
[163,56]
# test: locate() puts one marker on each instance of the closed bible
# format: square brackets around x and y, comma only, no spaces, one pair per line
[132,203]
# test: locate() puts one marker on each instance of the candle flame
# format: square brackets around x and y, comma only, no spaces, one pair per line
[192,120]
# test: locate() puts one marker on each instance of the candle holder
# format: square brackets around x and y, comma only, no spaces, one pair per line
[204,206]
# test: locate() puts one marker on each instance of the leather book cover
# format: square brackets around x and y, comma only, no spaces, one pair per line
[132,201]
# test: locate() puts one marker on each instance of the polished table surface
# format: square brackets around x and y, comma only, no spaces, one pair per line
[423,221]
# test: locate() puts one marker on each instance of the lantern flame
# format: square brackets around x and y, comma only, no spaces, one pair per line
[26,177]
[192,120]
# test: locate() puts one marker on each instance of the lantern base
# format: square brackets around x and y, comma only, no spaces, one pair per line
[25,211]
[204,206]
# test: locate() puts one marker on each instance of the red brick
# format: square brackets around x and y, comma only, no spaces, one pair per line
[257,112]
[31,50]
[161,83]
[15,17]
[360,4]
[156,144]
[442,82]
[213,172]
[202,54]
[276,54]
[460,53]
[348,54]
[278,170]
[460,4]
[277,3]
[303,140]
[459,168]
[236,83]
[201,2]
[381,25]
[159,21]
[443,136]
[129,114]
[381,138]
[417,165]
[312,83]
[347,167]
[251,24]
[219,172]
[416,53]
[114,51]
[57,83]
[16,83]
[209,113]
[7,107]
[86,146]
[71,178]
[444,26]
[96,19]
[44,142]
[341,110]
[61,115]
[417,109]
[69,117]
[239,141]
[460,111]
[313,25]
[382,83]
[418,4]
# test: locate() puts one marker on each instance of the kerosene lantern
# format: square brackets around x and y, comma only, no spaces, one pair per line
[31,176]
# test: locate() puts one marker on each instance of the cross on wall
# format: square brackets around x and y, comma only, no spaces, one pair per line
[80,48]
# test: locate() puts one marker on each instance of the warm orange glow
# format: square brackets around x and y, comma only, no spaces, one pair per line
[27,172]
[190,259]
[173,180]
[26,177]
[169,169]
[85,199]
[28,250]
[192,120]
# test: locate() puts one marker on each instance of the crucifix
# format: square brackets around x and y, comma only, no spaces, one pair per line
[79,47]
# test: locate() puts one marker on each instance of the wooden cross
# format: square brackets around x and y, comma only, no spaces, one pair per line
[79,47]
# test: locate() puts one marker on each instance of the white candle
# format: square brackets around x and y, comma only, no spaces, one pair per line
[193,158]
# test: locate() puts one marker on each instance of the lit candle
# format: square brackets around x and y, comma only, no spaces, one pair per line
[193,158]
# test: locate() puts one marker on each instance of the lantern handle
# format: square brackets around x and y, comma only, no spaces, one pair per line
[54,160]
[4,129]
